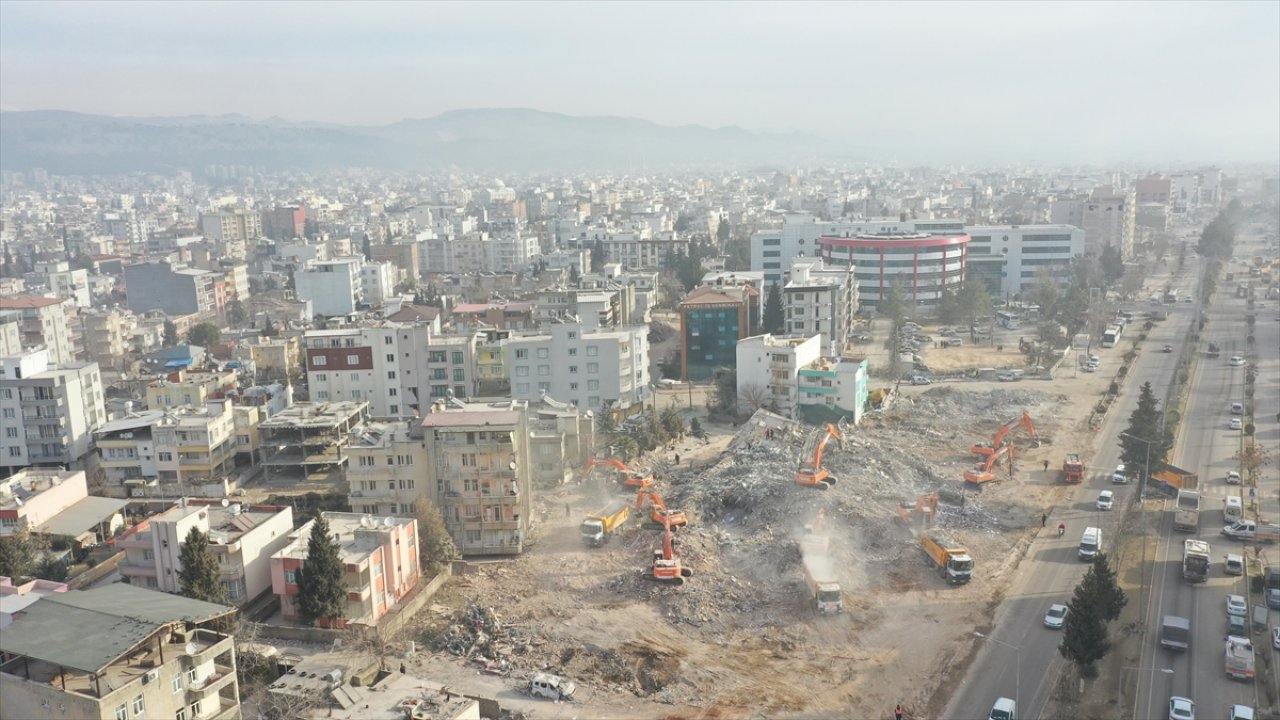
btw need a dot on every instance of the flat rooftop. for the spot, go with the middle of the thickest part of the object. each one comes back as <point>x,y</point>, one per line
<point>315,415</point>
<point>345,526</point>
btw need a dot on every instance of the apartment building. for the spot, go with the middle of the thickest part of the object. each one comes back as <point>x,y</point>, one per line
<point>43,322</point>
<point>397,368</point>
<point>492,378</point>
<point>768,370</point>
<point>127,453</point>
<point>10,334</point>
<point>310,437</point>
<point>405,256</point>
<point>831,389</point>
<point>242,538</point>
<point>561,440</point>
<point>190,388</point>
<point>232,231</point>
<point>479,473</point>
<point>712,321</point>
<point>108,334</point>
<point>33,496</point>
<point>381,559</point>
<point>384,467</point>
<point>1007,259</point>
<point>48,413</point>
<point>595,369</point>
<point>195,444</point>
<point>172,288</point>
<point>773,251</point>
<point>64,282</point>
<point>1108,217</point>
<point>821,300</point>
<point>275,358</point>
<point>119,652</point>
<point>284,223</point>
<point>333,287</point>
<point>15,598</point>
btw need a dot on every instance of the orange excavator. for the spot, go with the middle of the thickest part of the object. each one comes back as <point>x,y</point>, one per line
<point>629,478</point>
<point>666,564</point>
<point>815,541</point>
<point>658,511</point>
<point>998,441</point>
<point>812,473</point>
<point>923,512</point>
<point>981,473</point>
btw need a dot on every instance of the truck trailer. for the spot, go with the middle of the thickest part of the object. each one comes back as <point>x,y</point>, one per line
<point>820,576</point>
<point>1073,469</point>
<point>597,529</point>
<point>1186,511</point>
<point>949,557</point>
<point>1195,561</point>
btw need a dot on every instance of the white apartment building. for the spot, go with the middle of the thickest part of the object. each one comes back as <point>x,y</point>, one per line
<point>48,413</point>
<point>773,251</point>
<point>592,369</point>
<point>1007,259</point>
<point>1106,216</point>
<point>232,230</point>
<point>66,283</point>
<point>33,497</point>
<point>821,300</point>
<point>195,444</point>
<point>768,370</point>
<point>512,252</point>
<point>333,287</point>
<point>43,322</point>
<point>108,334</point>
<point>398,368</point>
<point>242,537</point>
<point>641,248</point>
<point>833,388</point>
<point>127,453</point>
<point>378,282</point>
<point>385,466</point>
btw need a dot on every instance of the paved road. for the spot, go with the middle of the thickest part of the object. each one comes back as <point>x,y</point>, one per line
<point>1021,660</point>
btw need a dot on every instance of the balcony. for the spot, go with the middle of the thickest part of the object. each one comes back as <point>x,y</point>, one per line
<point>221,677</point>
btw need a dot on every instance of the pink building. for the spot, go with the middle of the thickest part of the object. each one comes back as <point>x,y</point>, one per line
<point>16,598</point>
<point>381,559</point>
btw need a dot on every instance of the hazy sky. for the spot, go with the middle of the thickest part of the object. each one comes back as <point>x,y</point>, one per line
<point>1120,81</point>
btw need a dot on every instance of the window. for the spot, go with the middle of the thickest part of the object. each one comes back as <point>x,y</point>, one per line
<point>457,357</point>
<point>391,357</point>
<point>148,555</point>
<point>592,351</point>
<point>544,387</point>
<point>290,578</point>
<point>543,353</point>
<point>138,705</point>
<point>164,456</point>
<point>319,360</point>
<point>439,374</point>
<point>573,369</point>
<point>460,391</point>
<point>176,682</point>
<point>573,386</point>
<point>521,389</point>
<point>353,359</point>
<point>321,377</point>
<point>11,432</point>
<point>355,376</point>
<point>391,374</point>
<point>393,391</point>
<point>8,393</point>
<point>436,356</point>
<point>181,714</point>
<point>386,340</point>
<point>573,334</point>
<point>395,409</point>
<point>593,384</point>
<point>459,374</point>
<point>544,371</point>
<point>522,371</point>
<point>323,395</point>
<point>8,413</point>
<point>522,354</point>
<point>122,712</point>
<point>593,368</point>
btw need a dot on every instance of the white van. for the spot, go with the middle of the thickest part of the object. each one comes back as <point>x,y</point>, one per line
<point>1118,477</point>
<point>1004,709</point>
<point>1090,544</point>
<point>1232,509</point>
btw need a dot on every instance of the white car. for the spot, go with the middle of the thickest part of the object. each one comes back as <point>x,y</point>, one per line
<point>1275,637</point>
<point>551,687</point>
<point>1055,617</point>
<point>920,380</point>
<point>1236,605</point>
<point>1233,477</point>
<point>1236,361</point>
<point>1181,708</point>
<point>1106,499</point>
<point>1234,424</point>
<point>1091,368</point>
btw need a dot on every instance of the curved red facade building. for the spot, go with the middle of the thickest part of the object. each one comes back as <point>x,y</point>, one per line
<point>922,265</point>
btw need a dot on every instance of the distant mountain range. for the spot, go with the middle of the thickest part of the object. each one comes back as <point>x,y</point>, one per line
<point>481,140</point>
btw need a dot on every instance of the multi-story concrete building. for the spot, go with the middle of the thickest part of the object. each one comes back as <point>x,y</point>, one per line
<point>284,223</point>
<point>127,453</point>
<point>66,283</point>
<point>1109,219</point>
<point>404,256</point>
<point>378,282</point>
<point>242,538</point>
<point>48,413</point>
<point>768,370</point>
<point>195,444</point>
<point>561,440</point>
<point>33,496</point>
<point>831,389</point>
<point>275,358</point>
<point>108,335</point>
<point>119,652</point>
<point>311,437</point>
<point>398,368</point>
<point>174,289</point>
<point>1007,259</point>
<point>43,322</point>
<point>15,598</point>
<point>190,388</point>
<point>919,264</point>
<point>712,321</point>
<point>821,300</point>
<point>381,559</point>
<point>10,333</point>
<point>334,287</point>
<point>232,231</point>
<point>384,469</point>
<point>595,369</point>
<point>480,474</point>
<point>773,251</point>
<point>512,252</point>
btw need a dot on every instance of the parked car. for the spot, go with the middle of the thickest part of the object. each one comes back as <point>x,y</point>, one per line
<point>1004,709</point>
<point>1055,617</point>
<point>1236,361</point>
<point>1006,377</point>
<point>1236,605</point>
<point>920,380</point>
<point>1106,499</point>
<point>1275,638</point>
<point>1233,477</point>
<point>1181,708</point>
<point>551,687</point>
<point>953,342</point>
<point>1233,564</point>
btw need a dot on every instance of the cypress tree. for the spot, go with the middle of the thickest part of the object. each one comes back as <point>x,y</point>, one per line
<point>773,319</point>
<point>199,577</point>
<point>321,591</point>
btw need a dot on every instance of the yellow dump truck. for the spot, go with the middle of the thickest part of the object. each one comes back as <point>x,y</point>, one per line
<point>949,557</point>
<point>597,529</point>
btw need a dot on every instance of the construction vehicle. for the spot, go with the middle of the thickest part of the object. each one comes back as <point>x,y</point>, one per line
<point>1186,511</point>
<point>981,472</point>
<point>1073,469</point>
<point>815,541</point>
<point>666,565</point>
<point>628,477</point>
<point>658,510</point>
<point>812,473</point>
<point>1239,662</point>
<point>819,574</point>
<point>997,442</point>
<point>949,557</point>
<point>1170,480</point>
<point>924,511</point>
<point>599,528</point>
<point>1195,560</point>
<point>1250,530</point>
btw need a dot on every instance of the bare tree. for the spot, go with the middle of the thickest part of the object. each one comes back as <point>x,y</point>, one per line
<point>1252,458</point>
<point>753,397</point>
<point>267,704</point>
<point>373,641</point>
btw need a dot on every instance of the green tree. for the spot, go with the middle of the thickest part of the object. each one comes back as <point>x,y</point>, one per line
<point>1112,265</point>
<point>170,333</point>
<point>269,329</point>
<point>1046,293</point>
<point>205,335</point>
<point>200,577</point>
<point>597,256</point>
<point>366,247</point>
<point>1145,424</point>
<point>435,545</point>
<point>949,310</point>
<point>773,320</point>
<point>975,302</point>
<point>1084,633</point>
<point>17,554</point>
<point>1100,584</point>
<point>695,428</point>
<point>894,304</point>
<point>322,595</point>
<point>52,568</point>
<point>722,232</point>
<point>672,423</point>
<point>236,313</point>
<point>1218,237</point>
<point>724,393</point>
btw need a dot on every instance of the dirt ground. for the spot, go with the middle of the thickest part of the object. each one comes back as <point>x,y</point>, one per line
<point>740,638</point>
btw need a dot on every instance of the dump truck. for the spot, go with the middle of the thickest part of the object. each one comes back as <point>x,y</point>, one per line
<point>949,557</point>
<point>1250,530</point>
<point>1073,469</point>
<point>1186,511</point>
<point>1175,632</point>
<point>1215,350</point>
<point>1195,561</point>
<point>1169,480</point>
<point>1239,658</point>
<point>597,529</point>
<point>820,575</point>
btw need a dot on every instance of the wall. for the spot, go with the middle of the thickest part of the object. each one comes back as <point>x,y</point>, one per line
<point>257,547</point>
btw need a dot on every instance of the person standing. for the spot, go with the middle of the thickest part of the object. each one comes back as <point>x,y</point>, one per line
<point>898,712</point>
<point>1046,466</point>
<point>1044,519</point>
<point>677,458</point>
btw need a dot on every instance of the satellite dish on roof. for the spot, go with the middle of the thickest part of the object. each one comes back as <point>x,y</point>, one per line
<point>388,521</point>
<point>191,648</point>
<point>225,502</point>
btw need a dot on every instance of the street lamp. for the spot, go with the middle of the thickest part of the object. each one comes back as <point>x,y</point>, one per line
<point>1120,689</point>
<point>1017,667</point>
<point>1142,490</point>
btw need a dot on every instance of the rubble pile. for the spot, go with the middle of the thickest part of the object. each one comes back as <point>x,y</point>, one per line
<point>477,633</point>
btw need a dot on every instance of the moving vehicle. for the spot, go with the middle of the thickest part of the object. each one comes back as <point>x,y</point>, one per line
<point>1215,350</point>
<point>1233,564</point>
<point>1106,499</point>
<point>1118,476</point>
<point>666,565</point>
<point>997,441</point>
<point>599,528</point>
<point>628,477</point>
<point>1233,424</point>
<point>1250,530</point>
<point>1239,659</point>
<point>658,510</point>
<point>949,557</point>
<point>1232,508</point>
<point>551,687</point>
<point>1236,605</point>
<point>924,511</point>
<point>820,576</point>
<point>1236,361</point>
<point>1175,632</point>
<point>1240,712</point>
<point>1171,297</point>
<point>1233,477</point>
<point>1181,708</point>
<point>1237,408</point>
<point>1195,560</point>
<point>1186,511</point>
<point>1171,479</point>
<point>1111,335</point>
<point>1004,709</point>
<point>1090,544</point>
<point>1166,349</point>
<point>1275,638</point>
<point>1056,616</point>
<point>1073,469</point>
<point>812,473</point>
<point>920,380</point>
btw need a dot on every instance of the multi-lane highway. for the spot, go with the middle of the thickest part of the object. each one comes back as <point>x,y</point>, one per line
<point>1020,658</point>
